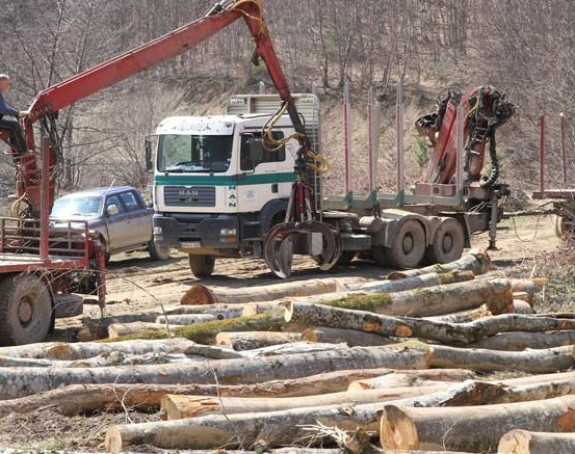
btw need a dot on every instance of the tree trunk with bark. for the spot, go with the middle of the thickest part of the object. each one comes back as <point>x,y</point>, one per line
<point>117,330</point>
<point>83,399</point>
<point>185,406</point>
<point>255,339</point>
<point>415,282</point>
<point>200,294</point>
<point>338,336</point>
<point>412,378</point>
<point>185,319</point>
<point>524,442</point>
<point>444,299</point>
<point>477,428</point>
<point>15,383</point>
<point>438,331</point>
<point>475,260</point>
<point>279,428</point>
<point>517,341</point>
<point>93,329</point>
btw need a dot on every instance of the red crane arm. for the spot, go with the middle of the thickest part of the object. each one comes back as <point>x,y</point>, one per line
<point>59,96</point>
<point>109,73</point>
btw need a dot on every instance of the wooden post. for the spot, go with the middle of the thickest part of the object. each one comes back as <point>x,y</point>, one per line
<point>347,139</point>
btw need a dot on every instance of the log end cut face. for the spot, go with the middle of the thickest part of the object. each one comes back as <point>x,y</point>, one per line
<point>397,431</point>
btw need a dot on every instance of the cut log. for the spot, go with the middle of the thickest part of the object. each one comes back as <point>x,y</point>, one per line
<point>415,282</point>
<point>200,294</point>
<point>280,428</point>
<point>463,316</point>
<point>118,330</point>
<point>532,361</point>
<point>65,351</point>
<point>517,341</point>
<point>16,383</point>
<point>476,261</point>
<point>186,319</point>
<point>353,293</point>
<point>476,428</point>
<point>444,299</point>
<point>495,293</point>
<point>347,336</point>
<point>263,307</point>
<point>412,378</point>
<point>93,329</point>
<point>255,339</point>
<point>184,406</point>
<point>438,331</point>
<point>81,399</point>
<point>522,307</point>
<point>181,407</point>
<point>205,333</point>
<point>525,442</point>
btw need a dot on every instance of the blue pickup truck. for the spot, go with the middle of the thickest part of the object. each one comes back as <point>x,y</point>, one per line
<point>118,214</point>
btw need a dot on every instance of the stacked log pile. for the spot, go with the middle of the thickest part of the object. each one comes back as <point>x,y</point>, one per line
<point>408,364</point>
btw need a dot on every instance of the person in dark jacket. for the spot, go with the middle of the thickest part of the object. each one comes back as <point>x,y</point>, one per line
<point>13,126</point>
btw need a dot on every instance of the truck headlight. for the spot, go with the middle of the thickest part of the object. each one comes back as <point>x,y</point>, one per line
<point>228,232</point>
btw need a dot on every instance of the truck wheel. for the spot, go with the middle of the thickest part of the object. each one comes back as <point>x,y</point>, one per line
<point>448,243</point>
<point>202,265</point>
<point>25,310</point>
<point>158,251</point>
<point>408,246</point>
<point>564,228</point>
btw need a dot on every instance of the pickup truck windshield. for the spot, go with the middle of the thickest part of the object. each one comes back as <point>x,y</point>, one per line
<point>183,154</point>
<point>74,207</point>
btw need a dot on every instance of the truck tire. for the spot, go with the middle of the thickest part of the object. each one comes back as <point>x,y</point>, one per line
<point>408,247</point>
<point>158,251</point>
<point>564,228</point>
<point>25,310</point>
<point>202,265</point>
<point>448,243</point>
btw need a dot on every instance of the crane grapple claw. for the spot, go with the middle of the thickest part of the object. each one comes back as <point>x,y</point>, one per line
<point>279,246</point>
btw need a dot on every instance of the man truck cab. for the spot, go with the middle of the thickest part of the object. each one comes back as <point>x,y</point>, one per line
<point>217,188</point>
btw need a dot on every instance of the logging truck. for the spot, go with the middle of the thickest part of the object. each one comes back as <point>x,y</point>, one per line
<point>219,191</point>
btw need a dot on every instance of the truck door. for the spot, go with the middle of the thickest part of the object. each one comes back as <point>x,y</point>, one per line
<point>118,224</point>
<point>266,175</point>
<point>140,218</point>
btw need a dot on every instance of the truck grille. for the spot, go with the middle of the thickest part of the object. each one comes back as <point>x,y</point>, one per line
<point>196,196</point>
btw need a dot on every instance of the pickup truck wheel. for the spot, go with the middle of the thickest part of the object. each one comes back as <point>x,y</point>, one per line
<point>448,243</point>
<point>202,265</point>
<point>158,251</point>
<point>408,246</point>
<point>25,310</point>
<point>564,228</point>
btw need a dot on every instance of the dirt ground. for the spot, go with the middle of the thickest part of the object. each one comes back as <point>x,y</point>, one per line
<point>136,283</point>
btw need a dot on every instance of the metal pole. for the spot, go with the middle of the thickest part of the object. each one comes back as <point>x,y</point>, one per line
<point>564,146</point>
<point>542,155</point>
<point>373,139</point>
<point>347,139</point>
<point>45,202</point>
<point>262,88</point>
<point>460,139</point>
<point>399,144</point>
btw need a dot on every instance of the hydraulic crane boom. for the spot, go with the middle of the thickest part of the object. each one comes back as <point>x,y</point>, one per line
<point>301,217</point>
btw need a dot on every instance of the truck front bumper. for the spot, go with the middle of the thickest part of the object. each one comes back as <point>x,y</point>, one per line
<point>195,231</point>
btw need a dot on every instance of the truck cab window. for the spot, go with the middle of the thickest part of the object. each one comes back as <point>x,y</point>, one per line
<point>253,153</point>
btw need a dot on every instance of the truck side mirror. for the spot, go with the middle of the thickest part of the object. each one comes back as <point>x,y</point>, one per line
<point>148,148</point>
<point>112,210</point>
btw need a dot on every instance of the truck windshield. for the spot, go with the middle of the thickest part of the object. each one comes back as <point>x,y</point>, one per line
<point>74,207</point>
<point>180,153</point>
